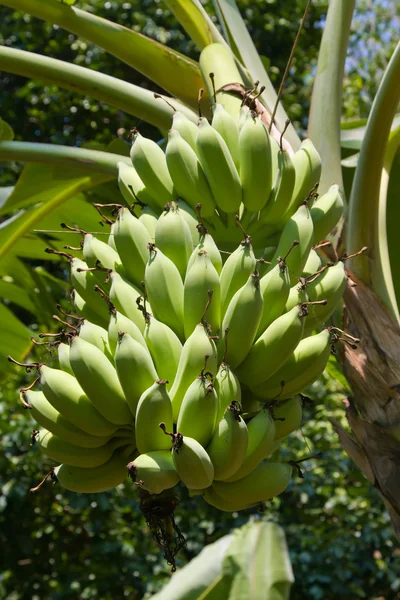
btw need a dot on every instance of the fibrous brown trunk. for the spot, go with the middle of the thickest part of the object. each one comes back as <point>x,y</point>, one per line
<point>373,411</point>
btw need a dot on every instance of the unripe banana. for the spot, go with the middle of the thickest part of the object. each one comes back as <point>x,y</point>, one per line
<point>326,213</point>
<point>124,296</point>
<point>82,309</point>
<point>219,167</point>
<point>207,243</point>
<point>63,358</point>
<point>198,412</point>
<point>261,435</point>
<point>135,370</point>
<point>272,348</point>
<point>192,462</point>
<point>84,283</point>
<point>255,163</point>
<point>173,238</point>
<point>151,166</point>
<point>154,471</point>
<point>95,250</point>
<point>329,286</point>
<point>201,278</point>
<point>164,289</point>
<point>228,445</point>
<point>301,369</point>
<point>149,219</point>
<point>275,288</point>
<point>52,420</point>
<point>187,174</point>
<point>241,321</point>
<point>282,192</point>
<point>64,392</point>
<point>186,128</point>
<point>244,113</point>
<point>298,228</point>
<point>288,417</point>
<point>235,272</point>
<point>313,263</point>
<point>131,238</point>
<point>118,322</point>
<point>266,481</point>
<point>165,348</point>
<point>132,187</point>
<point>100,382</point>
<point>98,336</point>
<point>228,129</point>
<point>154,407</point>
<point>62,451</point>
<point>191,362</point>
<point>227,386</point>
<point>191,220</point>
<point>297,295</point>
<point>225,504</point>
<point>95,479</point>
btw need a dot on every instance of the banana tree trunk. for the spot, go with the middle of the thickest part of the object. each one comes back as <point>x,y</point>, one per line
<point>373,411</point>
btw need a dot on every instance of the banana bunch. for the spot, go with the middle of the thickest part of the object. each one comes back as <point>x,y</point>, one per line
<point>199,322</point>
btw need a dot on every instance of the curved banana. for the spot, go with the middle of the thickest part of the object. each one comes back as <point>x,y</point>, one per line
<point>313,263</point>
<point>198,412</point>
<point>201,278</point>
<point>165,348</point>
<point>191,220</point>
<point>194,352</point>
<point>124,296</point>
<point>192,462</point>
<point>63,358</point>
<point>326,213</point>
<point>186,128</point>
<point>95,479</point>
<point>329,286</point>
<point>228,390</point>
<point>173,238</point>
<point>154,407</point>
<point>224,504</point>
<point>306,363</point>
<point>208,244</point>
<point>135,370</point>
<point>151,165</point>
<point>64,392</point>
<point>227,127</point>
<point>98,336</point>
<point>118,322</point>
<point>51,419</point>
<point>241,321</point>
<point>149,217</point>
<point>272,348</point>
<point>84,310</point>
<point>228,445</point>
<point>154,471</point>
<point>132,187</point>
<point>95,250</point>
<point>288,417</point>
<point>255,163</point>
<point>235,272</point>
<point>187,174</point>
<point>219,168</point>
<point>164,288</point>
<point>131,239</point>
<point>282,191</point>
<point>297,295</point>
<point>275,288</point>
<point>84,283</point>
<point>100,382</point>
<point>261,436</point>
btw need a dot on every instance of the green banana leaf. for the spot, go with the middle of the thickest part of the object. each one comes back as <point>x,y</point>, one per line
<point>250,564</point>
<point>196,22</point>
<point>6,133</point>
<point>14,340</point>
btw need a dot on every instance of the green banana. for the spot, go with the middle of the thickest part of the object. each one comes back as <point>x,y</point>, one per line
<point>191,220</point>
<point>83,309</point>
<point>154,406</point>
<point>164,288</point>
<point>228,445</point>
<point>63,358</point>
<point>98,336</point>
<point>282,191</point>
<point>288,417</point>
<point>186,128</point>
<point>95,250</point>
<point>132,187</point>
<point>297,295</point>
<point>227,127</point>
<point>150,163</point>
<point>165,348</point>
<point>261,435</point>
<point>95,479</point>
<point>235,272</point>
<point>84,283</point>
<point>329,286</point>
<point>207,243</point>
<point>326,213</point>
<point>131,238</point>
<point>65,393</point>
<point>124,296</point>
<point>272,348</point>
<point>192,361</point>
<point>100,382</point>
<point>75,456</point>
<point>135,369</point>
<point>48,417</point>
<point>118,322</point>
<point>224,504</point>
<point>228,389</point>
<point>244,113</point>
<point>302,368</point>
<point>313,264</point>
<point>255,163</point>
<point>275,288</point>
<point>198,412</point>
<point>173,238</point>
<point>148,217</point>
<point>192,462</point>
<point>154,471</point>
<point>218,167</point>
<point>201,278</point>
<point>241,321</point>
<point>187,174</point>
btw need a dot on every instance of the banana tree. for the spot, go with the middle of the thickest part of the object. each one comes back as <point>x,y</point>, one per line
<point>371,300</point>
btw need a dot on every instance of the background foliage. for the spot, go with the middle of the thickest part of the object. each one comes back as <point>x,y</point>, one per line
<point>61,545</point>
